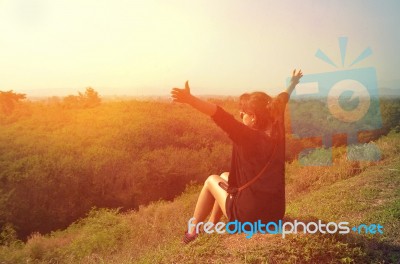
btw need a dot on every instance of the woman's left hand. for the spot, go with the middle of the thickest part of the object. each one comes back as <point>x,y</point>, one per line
<point>296,76</point>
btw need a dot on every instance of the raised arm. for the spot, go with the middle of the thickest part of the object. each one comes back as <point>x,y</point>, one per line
<point>184,96</point>
<point>294,81</point>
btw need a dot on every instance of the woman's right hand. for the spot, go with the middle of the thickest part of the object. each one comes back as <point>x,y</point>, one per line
<point>181,95</point>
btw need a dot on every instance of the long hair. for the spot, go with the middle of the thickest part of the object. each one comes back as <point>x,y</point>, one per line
<point>259,104</point>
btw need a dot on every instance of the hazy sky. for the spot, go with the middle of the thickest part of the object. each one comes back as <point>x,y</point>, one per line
<point>59,47</point>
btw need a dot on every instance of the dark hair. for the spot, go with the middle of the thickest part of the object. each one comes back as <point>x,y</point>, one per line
<point>258,104</point>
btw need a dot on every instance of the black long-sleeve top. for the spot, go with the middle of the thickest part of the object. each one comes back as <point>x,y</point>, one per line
<point>252,149</point>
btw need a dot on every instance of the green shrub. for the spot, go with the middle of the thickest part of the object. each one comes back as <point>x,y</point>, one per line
<point>367,151</point>
<point>317,157</point>
<point>102,231</point>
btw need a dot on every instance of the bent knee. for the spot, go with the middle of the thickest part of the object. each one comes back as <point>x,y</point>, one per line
<point>225,176</point>
<point>212,179</point>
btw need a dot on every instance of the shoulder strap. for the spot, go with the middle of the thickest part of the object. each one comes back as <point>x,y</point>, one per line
<point>236,190</point>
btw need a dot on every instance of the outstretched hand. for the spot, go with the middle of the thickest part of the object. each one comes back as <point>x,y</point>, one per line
<point>181,95</point>
<point>296,76</point>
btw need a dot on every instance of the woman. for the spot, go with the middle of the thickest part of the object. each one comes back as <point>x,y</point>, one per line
<point>258,151</point>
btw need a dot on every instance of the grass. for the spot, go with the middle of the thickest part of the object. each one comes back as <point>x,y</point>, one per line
<point>364,192</point>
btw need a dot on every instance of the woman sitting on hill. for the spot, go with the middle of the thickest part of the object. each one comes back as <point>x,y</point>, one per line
<point>257,175</point>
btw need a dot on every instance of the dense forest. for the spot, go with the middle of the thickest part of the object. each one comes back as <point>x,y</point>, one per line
<point>60,157</point>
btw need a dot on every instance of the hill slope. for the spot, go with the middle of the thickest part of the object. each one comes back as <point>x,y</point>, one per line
<point>360,192</point>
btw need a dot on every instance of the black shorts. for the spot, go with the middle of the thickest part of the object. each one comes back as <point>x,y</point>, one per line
<point>272,212</point>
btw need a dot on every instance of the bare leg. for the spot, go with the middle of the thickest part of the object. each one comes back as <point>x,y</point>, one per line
<point>216,212</point>
<point>210,193</point>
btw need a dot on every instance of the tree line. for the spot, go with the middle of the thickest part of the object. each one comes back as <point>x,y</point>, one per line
<point>60,158</point>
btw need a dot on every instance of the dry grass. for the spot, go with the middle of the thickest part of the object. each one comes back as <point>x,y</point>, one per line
<point>346,191</point>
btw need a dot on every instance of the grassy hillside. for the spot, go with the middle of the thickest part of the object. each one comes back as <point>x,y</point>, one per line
<point>58,159</point>
<point>357,192</point>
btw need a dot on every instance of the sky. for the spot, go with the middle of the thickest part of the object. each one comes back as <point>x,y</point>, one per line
<point>140,48</point>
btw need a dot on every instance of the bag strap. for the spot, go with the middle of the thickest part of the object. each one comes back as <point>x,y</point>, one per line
<point>259,174</point>
<point>233,190</point>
